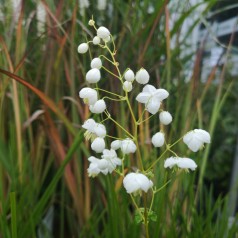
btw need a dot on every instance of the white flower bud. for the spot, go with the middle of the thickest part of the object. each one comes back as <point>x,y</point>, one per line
<point>127,86</point>
<point>135,182</point>
<point>103,32</point>
<point>83,48</point>
<point>96,40</point>
<point>91,22</point>
<point>129,75</point>
<point>158,139</point>
<point>98,145</point>
<point>89,95</point>
<point>96,63</point>
<point>142,76</point>
<point>98,107</point>
<point>93,75</point>
<point>116,144</point>
<point>165,118</point>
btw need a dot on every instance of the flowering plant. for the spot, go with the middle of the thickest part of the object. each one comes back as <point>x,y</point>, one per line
<point>126,150</point>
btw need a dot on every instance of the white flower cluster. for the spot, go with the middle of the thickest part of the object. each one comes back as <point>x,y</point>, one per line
<point>151,97</point>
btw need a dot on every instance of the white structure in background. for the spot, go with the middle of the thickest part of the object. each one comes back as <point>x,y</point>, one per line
<point>41,18</point>
<point>213,48</point>
<point>190,47</point>
<point>102,4</point>
<point>1,13</point>
<point>83,4</point>
<point>16,7</point>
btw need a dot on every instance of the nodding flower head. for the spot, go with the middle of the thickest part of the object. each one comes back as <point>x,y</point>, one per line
<point>182,163</point>
<point>82,48</point>
<point>137,182</point>
<point>89,95</point>
<point>103,32</point>
<point>93,75</point>
<point>142,76</point>
<point>196,138</point>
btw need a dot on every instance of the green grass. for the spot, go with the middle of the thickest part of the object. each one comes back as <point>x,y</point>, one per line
<point>43,164</point>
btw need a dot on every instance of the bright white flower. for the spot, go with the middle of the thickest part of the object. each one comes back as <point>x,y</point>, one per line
<point>93,75</point>
<point>97,166</point>
<point>98,145</point>
<point>142,76</point>
<point>183,163</point>
<point>96,40</point>
<point>98,107</point>
<point>96,63</point>
<point>152,98</point>
<point>83,48</point>
<point>158,139</point>
<point>135,182</point>
<point>196,138</point>
<point>129,75</point>
<point>103,32</point>
<point>165,118</point>
<point>111,157</point>
<point>89,95</point>
<point>102,5</point>
<point>127,86</point>
<point>116,144</point>
<point>128,146</point>
<point>94,129</point>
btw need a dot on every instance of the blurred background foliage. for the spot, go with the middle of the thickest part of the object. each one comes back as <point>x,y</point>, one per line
<point>44,187</point>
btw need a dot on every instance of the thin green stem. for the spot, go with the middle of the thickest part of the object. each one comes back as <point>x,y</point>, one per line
<point>117,95</point>
<point>127,132</point>
<point>106,59</point>
<point>110,72</point>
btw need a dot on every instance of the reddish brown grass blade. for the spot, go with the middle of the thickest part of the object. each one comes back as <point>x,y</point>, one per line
<point>46,100</point>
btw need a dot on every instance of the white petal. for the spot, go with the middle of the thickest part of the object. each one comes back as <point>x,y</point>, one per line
<point>204,135</point>
<point>153,106</point>
<point>89,125</point>
<point>149,89</point>
<point>93,75</point>
<point>128,146</point>
<point>100,130</point>
<point>143,97</point>
<point>186,163</point>
<point>98,107</point>
<point>98,145</point>
<point>171,162</point>
<point>161,94</point>
<point>116,144</point>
